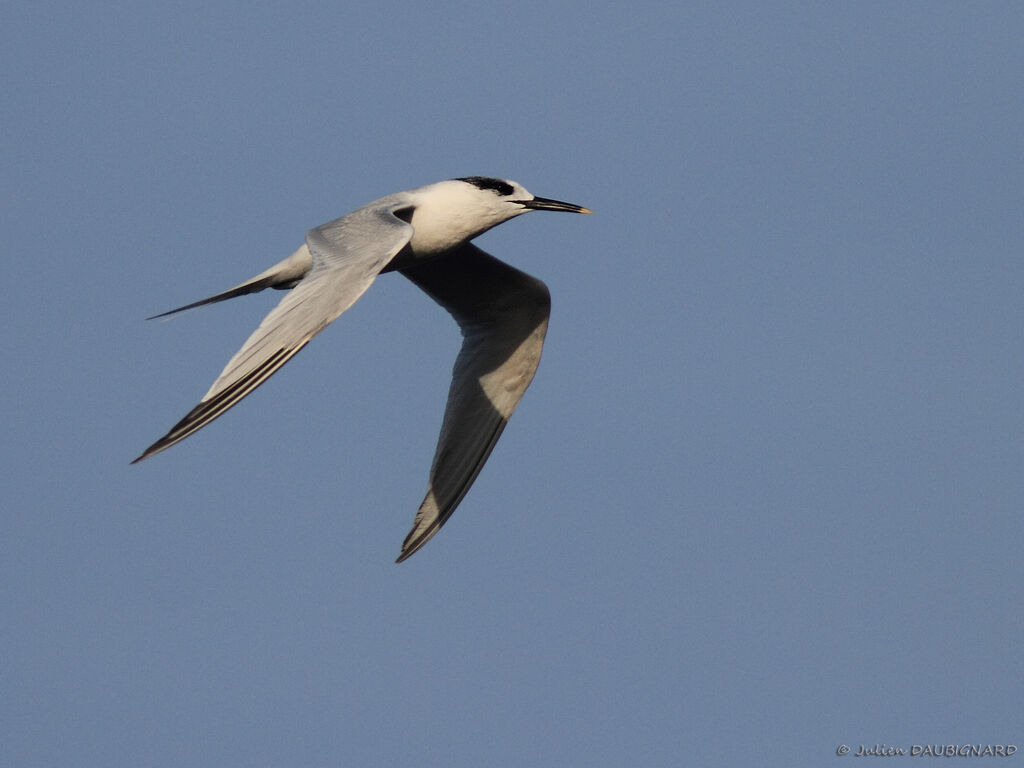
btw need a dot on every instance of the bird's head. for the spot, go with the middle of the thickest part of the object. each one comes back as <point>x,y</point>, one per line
<point>457,210</point>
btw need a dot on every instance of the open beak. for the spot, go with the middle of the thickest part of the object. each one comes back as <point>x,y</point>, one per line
<point>544,204</point>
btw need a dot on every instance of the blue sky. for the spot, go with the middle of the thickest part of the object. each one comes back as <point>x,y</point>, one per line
<point>763,498</point>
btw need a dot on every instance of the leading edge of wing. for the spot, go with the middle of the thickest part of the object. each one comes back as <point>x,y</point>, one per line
<point>348,254</point>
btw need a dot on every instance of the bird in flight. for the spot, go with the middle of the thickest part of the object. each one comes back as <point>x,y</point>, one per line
<point>424,234</point>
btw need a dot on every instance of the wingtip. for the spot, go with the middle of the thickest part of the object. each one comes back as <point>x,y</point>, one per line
<point>160,445</point>
<point>176,310</point>
<point>411,545</point>
<point>144,455</point>
<point>416,538</point>
<point>407,553</point>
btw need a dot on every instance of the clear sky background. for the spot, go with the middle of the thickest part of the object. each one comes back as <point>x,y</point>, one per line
<point>763,498</point>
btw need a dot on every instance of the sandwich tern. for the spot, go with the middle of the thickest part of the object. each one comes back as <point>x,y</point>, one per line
<point>424,234</point>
